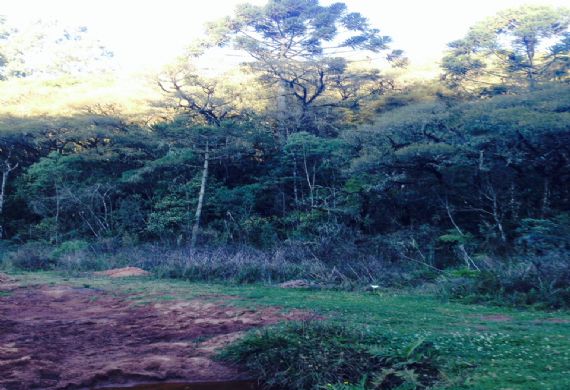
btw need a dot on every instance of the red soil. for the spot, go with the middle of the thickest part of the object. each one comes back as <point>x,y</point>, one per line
<point>497,318</point>
<point>73,338</point>
<point>122,272</point>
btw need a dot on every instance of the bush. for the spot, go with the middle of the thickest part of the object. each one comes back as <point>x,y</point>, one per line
<point>69,256</point>
<point>321,355</point>
<point>69,248</point>
<point>236,264</point>
<point>534,280</point>
<point>31,256</point>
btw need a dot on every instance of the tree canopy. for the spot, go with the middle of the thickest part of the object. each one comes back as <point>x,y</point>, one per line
<point>297,47</point>
<point>302,146</point>
<point>524,45</point>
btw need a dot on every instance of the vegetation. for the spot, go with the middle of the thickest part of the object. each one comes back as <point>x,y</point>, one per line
<point>512,47</point>
<point>322,353</point>
<point>473,346</point>
<point>302,159</point>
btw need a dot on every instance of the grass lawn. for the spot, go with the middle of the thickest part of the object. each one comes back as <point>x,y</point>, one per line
<point>484,347</point>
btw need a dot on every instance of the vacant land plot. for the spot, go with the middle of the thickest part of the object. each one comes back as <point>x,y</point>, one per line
<point>69,337</point>
<point>60,332</point>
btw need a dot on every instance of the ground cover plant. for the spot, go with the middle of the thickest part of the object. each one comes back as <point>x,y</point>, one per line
<point>322,355</point>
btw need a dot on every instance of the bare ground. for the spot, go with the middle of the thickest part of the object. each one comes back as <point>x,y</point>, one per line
<point>61,337</point>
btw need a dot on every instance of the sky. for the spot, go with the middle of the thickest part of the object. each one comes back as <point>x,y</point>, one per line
<point>146,34</point>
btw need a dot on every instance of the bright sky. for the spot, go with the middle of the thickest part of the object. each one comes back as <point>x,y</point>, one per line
<point>144,34</point>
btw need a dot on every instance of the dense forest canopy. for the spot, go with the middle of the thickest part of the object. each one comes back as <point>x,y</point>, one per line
<point>302,144</point>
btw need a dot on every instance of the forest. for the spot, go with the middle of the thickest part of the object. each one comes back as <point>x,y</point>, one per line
<point>299,161</point>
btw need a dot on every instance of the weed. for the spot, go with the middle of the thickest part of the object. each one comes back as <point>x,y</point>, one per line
<point>314,355</point>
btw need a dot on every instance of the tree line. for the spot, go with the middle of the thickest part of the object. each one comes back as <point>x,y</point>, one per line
<point>341,158</point>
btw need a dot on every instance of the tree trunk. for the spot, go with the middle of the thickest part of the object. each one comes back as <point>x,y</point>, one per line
<point>57,204</point>
<point>545,199</point>
<point>295,193</point>
<point>308,177</point>
<point>529,46</point>
<point>282,111</point>
<point>5,173</point>
<point>196,227</point>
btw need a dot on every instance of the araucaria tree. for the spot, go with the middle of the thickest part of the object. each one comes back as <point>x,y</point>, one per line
<point>519,46</point>
<point>297,47</point>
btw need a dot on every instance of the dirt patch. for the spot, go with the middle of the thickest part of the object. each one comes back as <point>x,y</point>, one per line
<point>553,321</point>
<point>122,272</point>
<point>62,337</point>
<point>298,283</point>
<point>5,278</point>
<point>497,318</point>
<point>7,283</point>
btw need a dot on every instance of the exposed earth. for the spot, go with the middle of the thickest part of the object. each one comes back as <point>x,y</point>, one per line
<point>63,337</point>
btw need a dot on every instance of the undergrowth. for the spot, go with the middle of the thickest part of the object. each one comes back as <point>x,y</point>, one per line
<point>321,355</point>
<point>539,281</point>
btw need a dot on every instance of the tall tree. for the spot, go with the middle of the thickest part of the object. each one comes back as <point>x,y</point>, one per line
<point>297,47</point>
<point>206,100</point>
<point>48,48</point>
<point>202,100</point>
<point>524,45</point>
<point>4,33</point>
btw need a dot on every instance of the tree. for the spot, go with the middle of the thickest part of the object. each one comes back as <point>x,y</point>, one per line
<point>297,47</point>
<point>18,150</point>
<point>524,45</point>
<point>476,168</point>
<point>49,49</point>
<point>206,100</point>
<point>6,167</point>
<point>201,100</point>
<point>4,33</point>
<point>316,164</point>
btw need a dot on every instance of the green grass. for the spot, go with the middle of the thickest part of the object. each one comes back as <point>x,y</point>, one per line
<point>525,351</point>
<point>317,354</point>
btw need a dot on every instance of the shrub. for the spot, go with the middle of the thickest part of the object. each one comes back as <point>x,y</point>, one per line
<point>69,248</point>
<point>321,355</point>
<point>540,236</point>
<point>236,264</point>
<point>526,280</point>
<point>31,256</point>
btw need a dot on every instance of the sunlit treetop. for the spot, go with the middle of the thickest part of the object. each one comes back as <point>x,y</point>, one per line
<point>297,29</point>
<point>525,44</point>
<point>50,49</point>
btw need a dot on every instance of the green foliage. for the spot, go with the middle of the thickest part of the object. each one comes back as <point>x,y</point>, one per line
<point>452,237</point>
<point>324,355</point>
<point>465,273</point>
<point>69,248</point>
<point>30,256</point>
<point>518,45</point>
<point>539,281</point>
<point>171,215</point>
<point>540,235</point>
